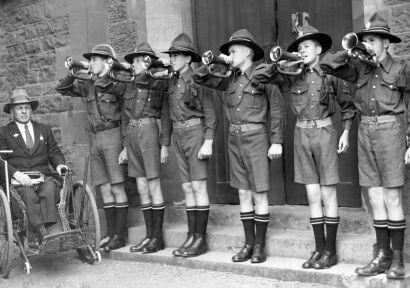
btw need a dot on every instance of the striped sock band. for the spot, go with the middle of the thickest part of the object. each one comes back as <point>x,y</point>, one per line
<point>332,220</point>
<point>191,208</point>
<point>247,215</point>
<point>380,223</point>
<point>317,220</point>
<point>109,205</point>
<point>396,225</point>
<point>158,206</point>
<point>146,207</point>
<point>121,205</point>
<point>202,208</point>
<point>262,218</point>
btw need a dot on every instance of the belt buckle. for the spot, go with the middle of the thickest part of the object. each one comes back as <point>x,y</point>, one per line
<point>311,124</point>
<point>372,120</point>
<point>236,128</point>
<point>183,124</point>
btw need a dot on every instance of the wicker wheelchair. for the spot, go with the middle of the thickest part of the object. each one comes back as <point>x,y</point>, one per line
<point>78,214</point>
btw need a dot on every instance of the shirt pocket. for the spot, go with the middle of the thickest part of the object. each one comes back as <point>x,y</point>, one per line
<point>390,93</point>
<point>109,105</point>
<point>361,88</point>
<point>254,97</point>
<point>299,95</point>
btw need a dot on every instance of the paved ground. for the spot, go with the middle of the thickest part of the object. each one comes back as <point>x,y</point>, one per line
<point>67,271</point>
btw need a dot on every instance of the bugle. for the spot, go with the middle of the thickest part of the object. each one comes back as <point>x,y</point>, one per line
<point>350,42</point>
<point>210,60</point>
<point>148,63</point>
<point>126,74</point>
<point>277,54</point>
<point>73,66</point>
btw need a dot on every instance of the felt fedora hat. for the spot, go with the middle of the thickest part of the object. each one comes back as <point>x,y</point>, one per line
<point>307,32</point>
<point>245,38</point>
<point>102,50</point>
<point>143,49</point>
<point>20,96</point>
<point>377,25</point>
<point>182,43</point>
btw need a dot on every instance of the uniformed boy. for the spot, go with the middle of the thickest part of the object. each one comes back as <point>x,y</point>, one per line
<point>193,119</point>
<point>379,100</point>
<point>313,96</point>
<point>142,149</point>
<point>104,114</point>
<point>247,105</point>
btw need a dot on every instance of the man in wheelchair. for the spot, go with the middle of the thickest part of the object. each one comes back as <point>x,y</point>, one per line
<point>34,149</point>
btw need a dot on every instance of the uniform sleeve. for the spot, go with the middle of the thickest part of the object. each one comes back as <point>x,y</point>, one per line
<point>404,84</point>
<point>208,104</point>
<point>129,88</point>
<point>344,99</point>
<point>148,82</point>
<point>276,110</point>
<point>107,85</point>
<point>267,73</point>
<point>202,77</point>
<point>341,65</point>
<point>166,125</point>
<point>70,86</point>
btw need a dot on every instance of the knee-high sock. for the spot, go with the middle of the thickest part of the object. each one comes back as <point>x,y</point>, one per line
<point>158,219</point>
<point>248,222</point>
<point>261,225</point>
<point>121,210</point>
<point>202,214</point>
<point>109,210</point>
<point>397,233</point>
<point>191,219</point>
<point>331,233</point>
<point>382,234</point>
<point>318,225</point>
<point>147,212</point>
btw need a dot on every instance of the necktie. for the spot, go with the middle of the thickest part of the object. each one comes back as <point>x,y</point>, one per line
<point>29,139</point>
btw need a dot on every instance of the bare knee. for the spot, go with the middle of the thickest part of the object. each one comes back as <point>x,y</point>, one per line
<point>143,190</point>
<point>105,189</point>
<point>392,198</point>
<point>245,196</point>
<point>187,188</point>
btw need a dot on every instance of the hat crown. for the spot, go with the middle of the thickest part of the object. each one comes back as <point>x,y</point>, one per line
<point>104,49</point>
<point>306,30</point>
<point>19,96</point>
<point>242,34</point>
<point>376,21</point>
<point>183,41</point>
<point>144,47</point>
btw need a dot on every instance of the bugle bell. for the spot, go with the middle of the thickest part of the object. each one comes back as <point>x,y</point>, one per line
<point>73,66</point>
<point>127,75</point>
<point>210,60</point>
<point>351,42</point>
<point>277,54</point>
<point>148,63</point>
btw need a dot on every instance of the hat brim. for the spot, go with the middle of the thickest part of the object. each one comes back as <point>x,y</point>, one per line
<point>89,55</point>
<point>33,104</point>
<point>391,37</point>
<point>257,50</point>
<point>195,56</point>
<point>130,57</point>
<point>324,40</point>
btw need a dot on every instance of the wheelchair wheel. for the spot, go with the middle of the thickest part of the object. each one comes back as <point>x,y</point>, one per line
<point>6,236</point>
<point>87,219</point>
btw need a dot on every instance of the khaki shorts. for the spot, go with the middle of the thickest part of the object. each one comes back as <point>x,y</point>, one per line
<point>316,159</point>
<point>105,147</point>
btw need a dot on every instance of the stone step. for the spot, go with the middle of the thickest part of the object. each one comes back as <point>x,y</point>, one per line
<point>352,220</point>
<point>281,268</point>
<point>352,248</point>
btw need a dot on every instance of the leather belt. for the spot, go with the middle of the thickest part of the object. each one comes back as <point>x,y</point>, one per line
<point>186,123</point>
<point>320,123</point>
<point>141,121</point>
<point>377,119</point>
<point>241,128</point>
<point>105,126</point>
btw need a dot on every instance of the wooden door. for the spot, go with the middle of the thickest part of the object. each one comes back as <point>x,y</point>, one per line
<point>268,21</point>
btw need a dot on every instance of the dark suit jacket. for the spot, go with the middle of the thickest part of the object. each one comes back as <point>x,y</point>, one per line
<point>44,152</point>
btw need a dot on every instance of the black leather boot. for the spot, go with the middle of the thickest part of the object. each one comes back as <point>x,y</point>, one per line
<point>327,260</point>
<point>115,243</point>
<point>259,254</point>
<point>379,264</point>
<point>140,246</point>
<point>197,248</point>
<point>244,255</point>
<point>188,242</point>
<point>396,270</point>
<point>312,260</point>
<point>156,243</point>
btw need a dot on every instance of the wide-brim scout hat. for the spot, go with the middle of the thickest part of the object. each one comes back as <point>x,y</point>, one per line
<point>143,49</point>
<point>307,32</point>
<point>245,38</point>
<point>102,50</point>
<point>182,43</point>
<point>20,96</point>
<point>377,25</point>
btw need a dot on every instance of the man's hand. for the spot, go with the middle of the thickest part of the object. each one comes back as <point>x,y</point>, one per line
<point>62,168</point>
<point>275,151</point>
<point>343,142</point>
<point>22,178</point>
<point>227,59</point>
<point>206,150</point>
<point>164,154</point>
<point>407,156</point>
<point>122,158</point>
